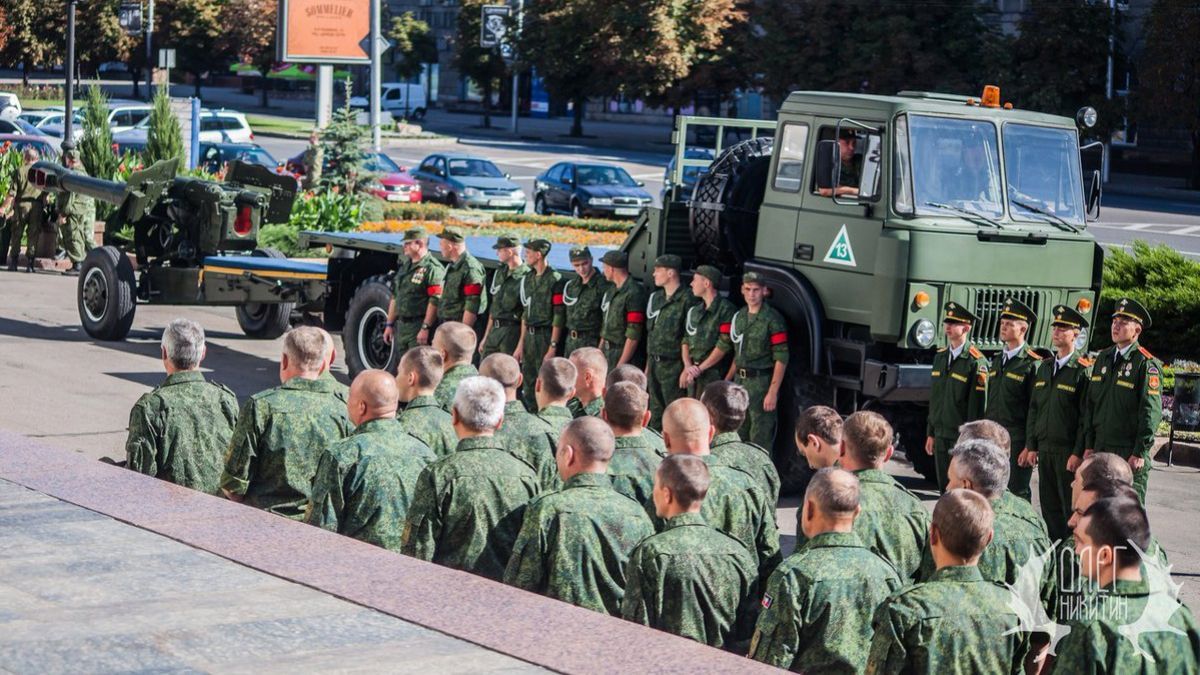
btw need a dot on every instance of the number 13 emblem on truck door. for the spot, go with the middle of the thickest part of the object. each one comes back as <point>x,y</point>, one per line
<point>840,252</point>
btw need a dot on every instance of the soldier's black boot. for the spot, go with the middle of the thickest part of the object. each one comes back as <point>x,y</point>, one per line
<point>73,271</point>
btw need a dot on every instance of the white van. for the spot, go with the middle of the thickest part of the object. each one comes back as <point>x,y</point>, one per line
<point>397,98</point>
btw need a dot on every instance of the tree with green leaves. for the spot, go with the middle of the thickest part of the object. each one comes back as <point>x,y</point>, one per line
<point>414,45</point>
<point>1168,91</point>
<point>99,37</point>
<point>193,28</point>
<point>483,65</point>
<point>33,30</point>
<point>249,35</point>
<point>343,145</point>
<point>584,48</point>
<point>164,135</point>
<point>95,149</point>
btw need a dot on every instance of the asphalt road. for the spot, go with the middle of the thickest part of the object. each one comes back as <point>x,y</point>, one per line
<point>63,388</point>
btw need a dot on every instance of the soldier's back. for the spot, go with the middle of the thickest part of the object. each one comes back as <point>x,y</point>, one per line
<point>527,437</point>
<point>632,468</point>
<point>180,431</point>
<point>893,523</point>
<point>426,420</point>
<point>730,450</point>
<point>738,506</point>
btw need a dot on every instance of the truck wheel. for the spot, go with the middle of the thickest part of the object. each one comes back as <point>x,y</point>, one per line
<point>724,219</point>
<point>418,114</point>
<point>265,320</point>
<point>366,318</point>
<point>804,390</point>
<point>106,294</point>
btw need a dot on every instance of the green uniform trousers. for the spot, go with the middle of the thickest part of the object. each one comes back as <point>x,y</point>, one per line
<point>576,339</point>
<point>404,337</point>
<point>1140,477</point>
<point>537,341</point>
<point>706,378</point>
<point>503,339</point>
<point>612,353</point>
<point>662,381</point>
<point>1054,490</point>
<point>76,237</point>
<point>759,427</point>
<point>26,222</point>
<point>941,460</point>
<point>1019,477</point>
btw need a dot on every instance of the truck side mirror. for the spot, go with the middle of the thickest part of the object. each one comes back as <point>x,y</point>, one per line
<point>828,161</point>
<point>1091,161</point>
<point>1093,196</point>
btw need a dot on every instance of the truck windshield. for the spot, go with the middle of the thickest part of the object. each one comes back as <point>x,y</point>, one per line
<point>955,166</point>
<point>1044,179</point>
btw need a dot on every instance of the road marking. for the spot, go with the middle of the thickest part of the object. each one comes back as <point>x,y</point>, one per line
<point>1185,231</point>
<point>1188,230</point>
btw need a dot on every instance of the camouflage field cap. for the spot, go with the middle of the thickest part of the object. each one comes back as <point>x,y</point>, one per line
<point>540,245</point>
<point>580,253</point>
<point>415,234</point>
<point>508,240</point>
<point>709,272</point>
<point>1068,318</point>
<point>753,278</point>
<point>453,234</point>
<point>956,313</point>
<point>616,259</point>
<point>1132,309</point>
<point>669,261</point>
<point>1015,309</point>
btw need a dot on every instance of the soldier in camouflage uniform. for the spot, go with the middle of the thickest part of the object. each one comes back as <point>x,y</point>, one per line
<point>580,315</point>
<point>1053,434</point>
<point>637,376</point>
<point>634,460</point>
<point>706,343</point>
<point>818,605</point>
<point>575,543</point>
<point>624,307</point>
<point>462,298</point>
<point>365,482</point>
<point>523,435</point>
<point>759,334</point>
<point>665,314</point>
<point>503,333</point>
<point>591,369</point>
<point>1126,596</point>
<point>922,628</point>
<point>959,390</point>
<point>727,404</point>
<point>415,295</point>
<point>893,523</point>
<point>281,432</point>
<point>1124,402</point>
<point>1010,386</point>
<point>690,579</point>
<point>28,212</point>
<point>554,388</point>
<point>77,220</point>
<point>419,373</point>
<point>456,342</point>
<point>179,432</point>
<point>467,508</point>
<point>540,302</point>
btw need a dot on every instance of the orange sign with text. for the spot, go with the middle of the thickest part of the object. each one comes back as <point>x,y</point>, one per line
<point>325,31</point>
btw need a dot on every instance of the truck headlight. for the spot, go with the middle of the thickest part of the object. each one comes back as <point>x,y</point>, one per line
<point>1081,340</point>
<point>470,192</point>
<point>923,333</point>
<point>600,201</point>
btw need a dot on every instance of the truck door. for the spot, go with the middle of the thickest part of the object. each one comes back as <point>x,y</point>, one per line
<point>837,235</point>
<point>784,194</point>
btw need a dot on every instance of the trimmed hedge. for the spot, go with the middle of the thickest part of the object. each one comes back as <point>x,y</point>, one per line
<point>1167,284</point>
<point>593,224</point>
<point>417,211</point>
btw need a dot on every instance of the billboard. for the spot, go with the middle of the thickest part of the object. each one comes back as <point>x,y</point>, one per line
<point>324,31</point>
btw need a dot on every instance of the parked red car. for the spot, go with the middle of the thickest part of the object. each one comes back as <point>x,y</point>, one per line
<point>390,181</point>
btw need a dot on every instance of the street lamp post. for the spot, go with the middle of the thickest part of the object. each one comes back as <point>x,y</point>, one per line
<point>150,54</point>
<point>68,143</point>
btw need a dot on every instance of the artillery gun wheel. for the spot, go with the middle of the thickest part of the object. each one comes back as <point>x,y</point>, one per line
<point>724,216</point>
<point>366,318</point>
<point>106,294</point>
<point>265,321</point>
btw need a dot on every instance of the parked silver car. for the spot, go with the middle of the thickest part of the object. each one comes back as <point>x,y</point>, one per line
<point>468,181</point>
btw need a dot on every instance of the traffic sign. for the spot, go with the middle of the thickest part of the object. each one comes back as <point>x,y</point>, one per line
<point>494,26</point>
<point>129,16</point>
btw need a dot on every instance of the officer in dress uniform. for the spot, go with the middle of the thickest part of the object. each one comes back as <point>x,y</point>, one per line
<point>959,390</point>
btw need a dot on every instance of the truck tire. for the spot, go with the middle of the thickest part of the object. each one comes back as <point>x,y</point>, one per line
<point>366,318</point>
<point>265,320</point>
<point>802,391</point>
<point>723,217</point>
<point>106,294</point>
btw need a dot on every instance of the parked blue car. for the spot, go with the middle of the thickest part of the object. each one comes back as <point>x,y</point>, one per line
<point>583,190</point>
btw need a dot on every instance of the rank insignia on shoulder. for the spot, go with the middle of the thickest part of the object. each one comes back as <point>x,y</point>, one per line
<point>1145,352</point>
<point>1086,362</point>
<point>1033,355</point>
<point>941,350</point>
<point>975,353</point>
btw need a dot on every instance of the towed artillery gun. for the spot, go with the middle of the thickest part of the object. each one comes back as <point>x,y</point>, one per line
<point>184,230</point>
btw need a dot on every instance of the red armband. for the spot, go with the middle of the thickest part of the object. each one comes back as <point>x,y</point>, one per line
<point>725,328</point>
<point>778,338</point>
<point>433,290</point>
<point>557,299</point>
<point>473,289</point>
<point>635,317</point>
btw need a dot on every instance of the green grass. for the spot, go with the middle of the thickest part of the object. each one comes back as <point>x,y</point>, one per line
<point>280,125</point>
<point>40,103</point>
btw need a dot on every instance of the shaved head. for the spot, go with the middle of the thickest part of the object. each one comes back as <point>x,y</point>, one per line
<point>626,373</point>
<point>502,368</point>
<point>834,491</point>
<point>1104,467</point>
<point>426,362</point>
<point>591,437</point>
<point>591,360</point>
<point>456,340</point>
<point>686,426</point>
<point>373,395</point>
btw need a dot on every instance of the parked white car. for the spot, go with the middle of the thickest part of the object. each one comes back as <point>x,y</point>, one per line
<point>216,126</point>
<point>10,106</point>
<point>397,98</point>
<point>125,117</point>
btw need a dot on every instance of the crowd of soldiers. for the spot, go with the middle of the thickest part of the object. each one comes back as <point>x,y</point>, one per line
<point>629,480</point>
<point>26,212</point>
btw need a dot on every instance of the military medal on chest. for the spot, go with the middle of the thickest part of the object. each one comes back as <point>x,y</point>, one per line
<point>419,275</point>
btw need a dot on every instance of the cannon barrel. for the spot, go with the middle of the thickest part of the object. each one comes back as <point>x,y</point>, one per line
<point>57,178</point>
<point>133,199</point>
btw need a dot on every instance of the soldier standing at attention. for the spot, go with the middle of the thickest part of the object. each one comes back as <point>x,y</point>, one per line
<point>591,369</point>
<point>690,579</point>
<point>706,341</point>
<point>1124,403</point>
<point>554,388</point>
<point>1054,433</point>
<point>540,301</point>
<point>580,315</point>
<point>456,343</point>
<point>959,390</point>
<point>462,290</point>
<point>77,221</point>
<point>759,333</point>
<point>467,508</point>
<point>365,482</point>
<point>418,375</point>
<point>415,296</point>
<point>503,332</point>
<point>626,410</point>
<point>1010,386</point>
<point>281,432</point>
<point>179,432</point>
<point>624,307</point>
<point>923,628</point>
<point>523,434</point>
<point>818,605</point>
<point>575,543</point>
<point>27,214</point>
<point>665,314</point>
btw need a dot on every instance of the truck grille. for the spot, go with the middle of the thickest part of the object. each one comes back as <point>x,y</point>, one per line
<point>989,302</point>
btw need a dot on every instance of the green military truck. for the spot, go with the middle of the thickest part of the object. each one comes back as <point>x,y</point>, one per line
<point>927,198</point>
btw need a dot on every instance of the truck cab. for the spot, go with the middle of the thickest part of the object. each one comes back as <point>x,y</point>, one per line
<point>867,213</point>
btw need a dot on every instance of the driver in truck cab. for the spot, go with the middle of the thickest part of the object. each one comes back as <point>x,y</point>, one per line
<point>851,171</point>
